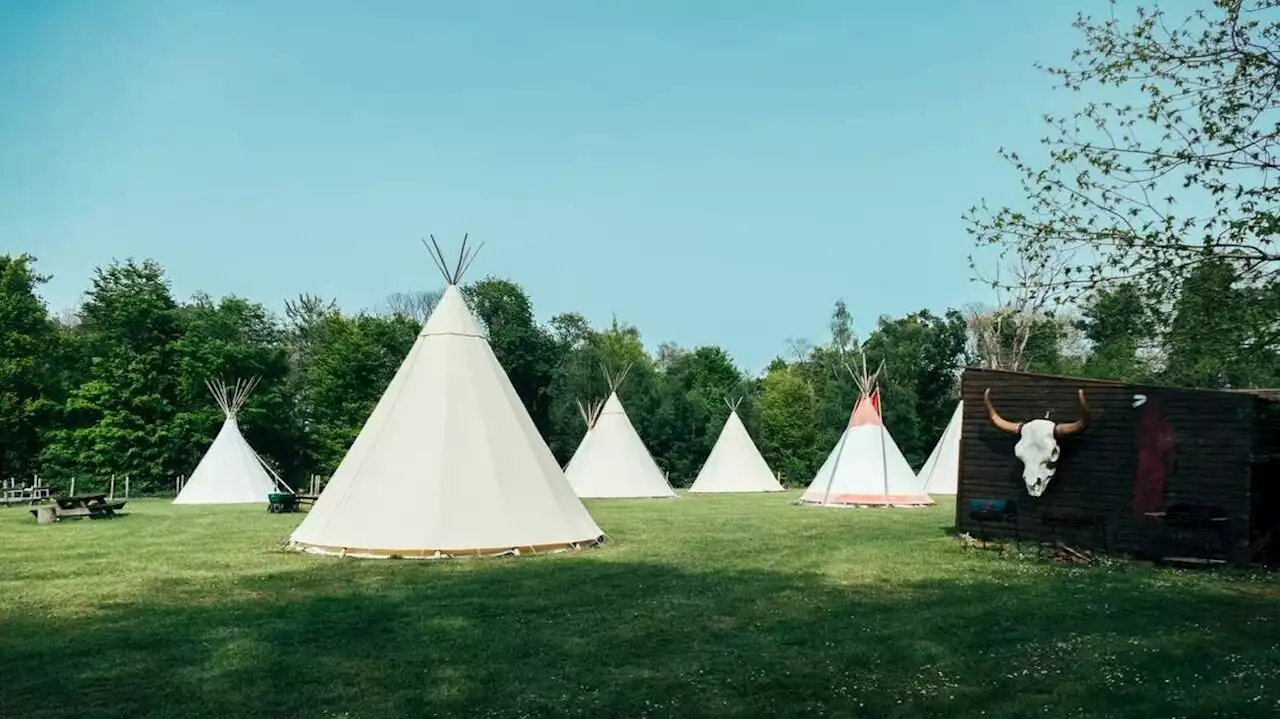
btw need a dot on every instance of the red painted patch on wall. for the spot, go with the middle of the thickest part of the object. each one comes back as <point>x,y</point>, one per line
<point>1156,444</point>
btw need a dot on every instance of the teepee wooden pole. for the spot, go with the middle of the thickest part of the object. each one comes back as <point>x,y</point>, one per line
<point>884,435</point>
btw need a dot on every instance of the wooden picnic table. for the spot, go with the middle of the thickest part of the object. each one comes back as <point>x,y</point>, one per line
<point>82,506</point>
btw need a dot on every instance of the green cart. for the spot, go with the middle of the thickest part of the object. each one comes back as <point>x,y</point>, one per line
<point>282,503</point>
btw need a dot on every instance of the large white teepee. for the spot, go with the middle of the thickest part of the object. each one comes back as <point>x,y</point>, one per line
<point>866,468</point>
<point>230,472</point>
<point>735,464</point>
<point>449,463</point>
<point>941,472</point>
<point>611,460</point>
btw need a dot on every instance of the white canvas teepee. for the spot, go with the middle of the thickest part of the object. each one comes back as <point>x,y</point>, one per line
<point>230,472</point>
<point>449,463</point>
<point>612,461</point>
<point>941,472</point>
<point>735,464</point>
<point>866,468</point>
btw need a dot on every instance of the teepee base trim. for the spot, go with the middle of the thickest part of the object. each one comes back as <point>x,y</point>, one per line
<point>369,553</point>
<point>869,500</point>
<point>691,490</point>
<point>624,496</point>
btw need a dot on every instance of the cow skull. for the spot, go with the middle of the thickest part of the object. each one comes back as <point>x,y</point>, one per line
<point>1037,445</point>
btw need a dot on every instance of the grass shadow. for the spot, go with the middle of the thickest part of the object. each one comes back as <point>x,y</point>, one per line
<point>578,637</point>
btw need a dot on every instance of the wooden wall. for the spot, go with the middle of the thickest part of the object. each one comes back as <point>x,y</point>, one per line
<point>1212,437</point>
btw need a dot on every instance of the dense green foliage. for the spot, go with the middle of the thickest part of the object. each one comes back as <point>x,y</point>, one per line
<point>119,388</point>
<point>711,606</point>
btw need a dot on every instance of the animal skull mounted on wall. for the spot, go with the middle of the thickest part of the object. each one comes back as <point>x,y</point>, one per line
<point>1037,445</point>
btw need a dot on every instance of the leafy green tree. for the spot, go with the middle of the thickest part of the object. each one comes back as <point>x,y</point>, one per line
<point>307,319</point>
<point>1213,339</point>
<point>119,420</point>
<point>570,330</point>
<point>527,352</point>
<point>842,337</point>
<point>351,363</point>
<point>28,341</point>
<point>827,370</point>
<point>922,355</point>
<point>1118,324</point>
<point>692,411</point>
<point>788,437</point>
<point>1169,162</point>
<point>580,376</point>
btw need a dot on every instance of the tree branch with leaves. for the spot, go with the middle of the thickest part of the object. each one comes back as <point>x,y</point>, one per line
<point>1171,160</point>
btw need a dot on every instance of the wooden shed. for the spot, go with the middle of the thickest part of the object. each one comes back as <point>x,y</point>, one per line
<point>1159,471</point>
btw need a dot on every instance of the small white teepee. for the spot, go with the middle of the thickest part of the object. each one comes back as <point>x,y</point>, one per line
<point>735,464</point>
<point>449,463</point>
<point>941,472</point>
<point>866,468</point>
<point>612,461</point>
<point>230,471</point>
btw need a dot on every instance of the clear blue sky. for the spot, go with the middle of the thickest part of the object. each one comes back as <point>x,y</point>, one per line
<point>713,172</point>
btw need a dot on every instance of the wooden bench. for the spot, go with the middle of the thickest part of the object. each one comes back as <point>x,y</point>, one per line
<point>86,506</point>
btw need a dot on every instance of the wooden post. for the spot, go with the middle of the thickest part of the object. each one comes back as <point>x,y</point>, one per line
<point>111,491</point>
<point>126,486</point>
<point>73,485</point>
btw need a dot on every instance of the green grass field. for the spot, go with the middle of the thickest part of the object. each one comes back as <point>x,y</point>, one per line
<point>703,606</point>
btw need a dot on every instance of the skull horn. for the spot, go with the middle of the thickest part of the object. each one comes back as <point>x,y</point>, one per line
<point>1000,423</point>
<point>1066,429</point>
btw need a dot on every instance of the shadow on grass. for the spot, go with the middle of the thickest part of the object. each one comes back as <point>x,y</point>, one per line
<point>573,636</point>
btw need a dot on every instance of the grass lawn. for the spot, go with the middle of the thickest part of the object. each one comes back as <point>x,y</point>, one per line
<point>703,606</point>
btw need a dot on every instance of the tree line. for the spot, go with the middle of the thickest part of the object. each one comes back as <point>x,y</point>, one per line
<point>118,386</point>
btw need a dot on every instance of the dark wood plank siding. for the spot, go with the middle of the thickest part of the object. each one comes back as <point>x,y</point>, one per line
<point>1213,431</point>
